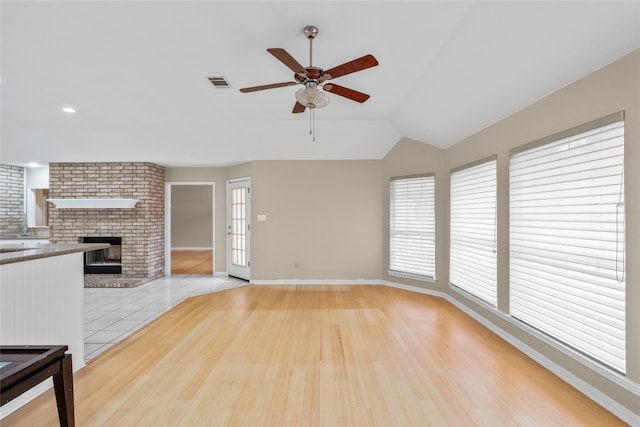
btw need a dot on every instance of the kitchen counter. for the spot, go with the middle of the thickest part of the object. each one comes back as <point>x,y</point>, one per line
<point>18,252</point>
<point>21,238</point>
<point>42,300</point>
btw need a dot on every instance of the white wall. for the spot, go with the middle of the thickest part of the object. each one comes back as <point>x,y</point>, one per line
<point>37,177</point>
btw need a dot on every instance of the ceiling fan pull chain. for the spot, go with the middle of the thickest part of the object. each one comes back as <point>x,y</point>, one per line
<point>312,124</point>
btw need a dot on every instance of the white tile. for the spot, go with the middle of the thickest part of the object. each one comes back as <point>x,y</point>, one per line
<point>99,324</point>
<point>123,325</point>
<point>113,314</point>
<point>103,337</point>
<point>91,348</point>
<point>143,315</point>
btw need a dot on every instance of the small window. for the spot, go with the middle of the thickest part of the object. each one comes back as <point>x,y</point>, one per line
<point>412,227</point>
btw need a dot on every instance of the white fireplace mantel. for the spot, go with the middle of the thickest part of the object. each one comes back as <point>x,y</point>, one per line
<point>94,203</point>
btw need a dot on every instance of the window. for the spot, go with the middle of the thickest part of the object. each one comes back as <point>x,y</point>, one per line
<point>238,227</point>
<point>472,230</point>
<point>412,227</point>
<point>567,238</point>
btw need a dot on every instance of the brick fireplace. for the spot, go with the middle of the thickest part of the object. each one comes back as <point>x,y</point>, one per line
<point>141,228</point>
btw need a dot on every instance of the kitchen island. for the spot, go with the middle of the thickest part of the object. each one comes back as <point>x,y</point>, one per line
<point>42,300</point>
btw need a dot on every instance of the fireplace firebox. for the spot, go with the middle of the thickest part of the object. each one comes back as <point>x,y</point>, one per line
<point>103,261</point>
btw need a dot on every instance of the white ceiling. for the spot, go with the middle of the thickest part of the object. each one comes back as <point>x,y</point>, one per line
<point>135,72</point>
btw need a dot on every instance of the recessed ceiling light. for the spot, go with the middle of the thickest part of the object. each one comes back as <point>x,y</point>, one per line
<point>69,110</point>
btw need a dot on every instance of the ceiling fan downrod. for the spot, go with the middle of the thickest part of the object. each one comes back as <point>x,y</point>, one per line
<point>310,32</point>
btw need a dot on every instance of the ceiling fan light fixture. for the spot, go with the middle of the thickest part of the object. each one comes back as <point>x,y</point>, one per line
<point>311,96</point>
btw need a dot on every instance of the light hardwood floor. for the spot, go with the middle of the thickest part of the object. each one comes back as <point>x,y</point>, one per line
<point>191,261</point>
<point>317,355</point>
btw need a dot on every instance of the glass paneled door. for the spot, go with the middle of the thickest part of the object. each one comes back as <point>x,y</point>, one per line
<point>239,228</point>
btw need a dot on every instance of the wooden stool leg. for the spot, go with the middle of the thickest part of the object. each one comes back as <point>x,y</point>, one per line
<point>63,386</point>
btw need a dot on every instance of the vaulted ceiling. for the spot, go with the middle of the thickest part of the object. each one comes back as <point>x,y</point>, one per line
<point>136,74</point>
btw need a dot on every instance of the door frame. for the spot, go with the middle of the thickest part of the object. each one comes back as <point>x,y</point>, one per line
<point>30,205</point>
<point>228,225</point>
<point>167,222</point>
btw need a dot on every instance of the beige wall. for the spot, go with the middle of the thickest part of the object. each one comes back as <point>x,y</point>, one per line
<point>326,216</point>
<point>191,216</point>
<point>615,87</point>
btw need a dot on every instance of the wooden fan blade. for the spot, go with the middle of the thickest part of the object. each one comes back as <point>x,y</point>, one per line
<point>298,108</point>
<point>354,95</point>
<point>284,57</point>
<point>263,87</point>
<point>359,64</point>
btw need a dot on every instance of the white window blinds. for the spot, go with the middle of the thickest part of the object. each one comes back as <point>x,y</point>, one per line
<point>567,240</point>
<point>472,230</point>
<point>412,226</point>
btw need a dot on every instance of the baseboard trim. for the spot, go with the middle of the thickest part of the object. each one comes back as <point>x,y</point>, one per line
<point>29,395</point>
<point>585,388</point>
<point>221,274</point>
<point>191,248</point>
<point>315,282</point>
<point>416,289</point>
<point>25,398</point>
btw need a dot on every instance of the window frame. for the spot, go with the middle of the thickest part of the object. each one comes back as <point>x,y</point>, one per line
<point>403,273</point>
<point>545,274</point>
<point>470,286</point>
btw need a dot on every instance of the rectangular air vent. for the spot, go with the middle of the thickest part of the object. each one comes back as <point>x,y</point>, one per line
<point>219,82</point>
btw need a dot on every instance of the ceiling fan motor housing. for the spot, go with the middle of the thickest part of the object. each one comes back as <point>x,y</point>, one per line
<point>310,73</point>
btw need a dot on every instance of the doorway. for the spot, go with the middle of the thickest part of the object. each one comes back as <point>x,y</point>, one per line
<point>37,206</point>
<point>190,238</point>
<point>239,228</point>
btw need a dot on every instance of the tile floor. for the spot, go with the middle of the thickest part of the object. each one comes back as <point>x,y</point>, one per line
<point>112,314</point>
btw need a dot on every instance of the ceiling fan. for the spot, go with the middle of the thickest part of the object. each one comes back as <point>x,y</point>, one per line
<point>313,78</point>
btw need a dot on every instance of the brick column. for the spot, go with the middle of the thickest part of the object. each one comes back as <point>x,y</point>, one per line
<point>12,220</point>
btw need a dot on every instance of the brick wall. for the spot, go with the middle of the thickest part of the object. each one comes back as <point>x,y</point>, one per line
<point>12,218</point>
<point>141,228</point>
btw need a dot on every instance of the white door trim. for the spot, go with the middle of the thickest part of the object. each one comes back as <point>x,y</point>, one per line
<point>167,221</point>
<point>30,203</point>
<point>240,272</point>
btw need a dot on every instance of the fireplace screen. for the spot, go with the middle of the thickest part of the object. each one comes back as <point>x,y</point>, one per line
<point>104,261</point>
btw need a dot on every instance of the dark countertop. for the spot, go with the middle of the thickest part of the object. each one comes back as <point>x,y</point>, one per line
<point>10,253</point>
<point>30,235</point>
<point>25,238</point>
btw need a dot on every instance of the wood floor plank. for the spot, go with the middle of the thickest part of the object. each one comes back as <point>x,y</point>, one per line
<point>317,355</point>
<point>191,261</point>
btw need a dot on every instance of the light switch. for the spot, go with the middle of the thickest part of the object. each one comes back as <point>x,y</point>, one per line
<point>262,218</point>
